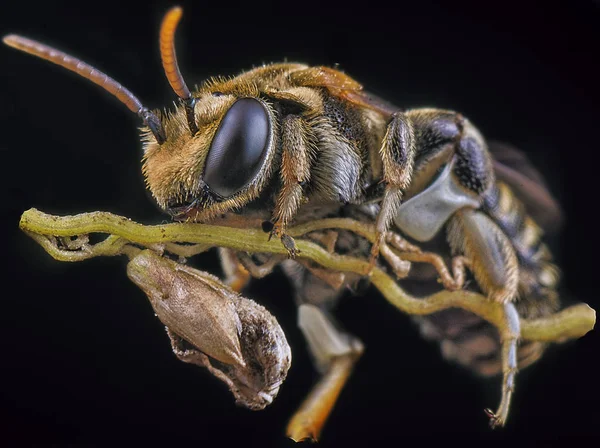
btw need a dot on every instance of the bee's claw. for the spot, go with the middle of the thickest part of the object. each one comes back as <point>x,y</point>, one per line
<point>374,255</point>
<point>289,243</point>
<point>495,421</point>
<point>275,232</point>
<point>372,261</point>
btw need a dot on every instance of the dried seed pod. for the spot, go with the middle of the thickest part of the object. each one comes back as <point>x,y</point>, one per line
<point>210,325</point>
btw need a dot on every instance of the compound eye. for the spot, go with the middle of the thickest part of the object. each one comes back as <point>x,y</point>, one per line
<point>239,148</point>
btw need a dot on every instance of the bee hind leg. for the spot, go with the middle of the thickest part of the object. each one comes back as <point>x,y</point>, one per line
<point>493,259</point>
<point>334,353</point>
<point>510,339</point>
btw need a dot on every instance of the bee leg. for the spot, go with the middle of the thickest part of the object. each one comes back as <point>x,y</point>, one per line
<point>239,267</point>
<point>236,275</point>
<point>493,260</point>
<point>453,197</point>
<point>327,239</point>
<point>400,243</point>
<point>409,252</point>
<point>434,132</point>
<point>335,354</point>
<point>259,270</point>
<point>510,339</point>
<point>332,278</point>
<point>471,232</point>
<point>527,353</point>
<point>296,160</point>
<point>397,155</point>
<point>400,266</point>
<point>451,280</point>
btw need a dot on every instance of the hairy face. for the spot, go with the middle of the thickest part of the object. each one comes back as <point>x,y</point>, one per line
<point>223,166</point>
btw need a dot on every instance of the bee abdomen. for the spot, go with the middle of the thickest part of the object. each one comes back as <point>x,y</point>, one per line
<point>538,276</point>
<point>511,216</point>
<point>472,342</point>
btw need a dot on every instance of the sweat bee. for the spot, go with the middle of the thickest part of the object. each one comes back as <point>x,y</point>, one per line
<point>289,143</point>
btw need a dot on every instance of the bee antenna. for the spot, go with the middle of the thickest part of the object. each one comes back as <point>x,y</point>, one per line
<point>96,76</point>
<point>171,67</point>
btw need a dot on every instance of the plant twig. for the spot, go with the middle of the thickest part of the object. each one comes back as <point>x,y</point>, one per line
<point>572,322</point>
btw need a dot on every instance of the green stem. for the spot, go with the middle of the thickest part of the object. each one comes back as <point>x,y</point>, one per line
<point>572,322</point>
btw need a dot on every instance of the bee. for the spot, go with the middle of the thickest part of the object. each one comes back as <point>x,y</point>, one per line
<point>287,143</point>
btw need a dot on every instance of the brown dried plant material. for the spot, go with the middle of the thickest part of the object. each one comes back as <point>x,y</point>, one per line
<point>212,326</point>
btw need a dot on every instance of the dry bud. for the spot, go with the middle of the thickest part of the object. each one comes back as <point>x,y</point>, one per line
<point>212,326</point>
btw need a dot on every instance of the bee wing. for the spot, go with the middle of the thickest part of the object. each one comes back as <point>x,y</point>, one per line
<point>324,77</point>
<point>514,168</point>
<point>342,86</point>
<point>370,101</point>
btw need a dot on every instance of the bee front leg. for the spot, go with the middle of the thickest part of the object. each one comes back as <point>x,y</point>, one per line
<point>296,161</point>
<point>334,354</point>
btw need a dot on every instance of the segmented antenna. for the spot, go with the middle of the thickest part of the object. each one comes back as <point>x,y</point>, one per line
<point>171,67</point>
<point>88,72</point>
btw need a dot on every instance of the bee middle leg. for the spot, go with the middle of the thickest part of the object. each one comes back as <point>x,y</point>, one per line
<point>421,140</point>
<point>397,154</point>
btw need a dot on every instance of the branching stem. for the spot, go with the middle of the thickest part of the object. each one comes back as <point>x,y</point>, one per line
<point>187,239</point>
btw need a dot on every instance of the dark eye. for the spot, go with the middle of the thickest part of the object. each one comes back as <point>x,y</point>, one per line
<point>239,148</point>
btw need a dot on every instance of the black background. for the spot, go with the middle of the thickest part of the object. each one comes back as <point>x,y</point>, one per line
<point>85,362</point>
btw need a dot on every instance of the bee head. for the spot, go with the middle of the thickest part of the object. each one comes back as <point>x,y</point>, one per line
<point>212,154</point>
<point>220,167</point>
<point>218,143</point>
